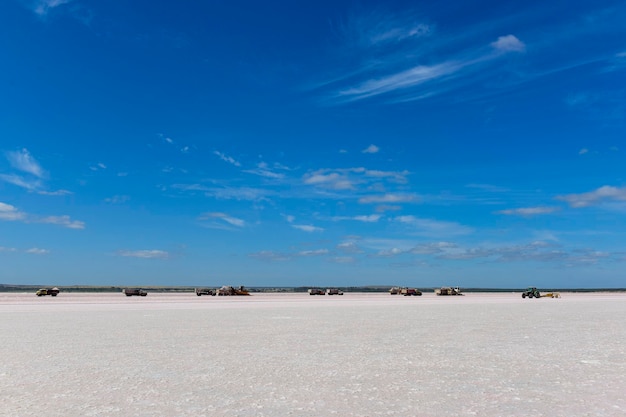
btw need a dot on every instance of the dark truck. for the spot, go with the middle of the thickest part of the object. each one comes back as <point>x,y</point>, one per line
<point>134,291</point>
<point>47,291</point>
<point>204,291</point>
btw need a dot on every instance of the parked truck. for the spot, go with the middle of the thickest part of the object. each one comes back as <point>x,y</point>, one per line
<point>316,291</point>
<point>448,291</point>
<point>334,291</point>
<point>134,291</point>
<point>228,290</point>
<point>410,291</point>
<point>204,291</point>
<point>47,291</point>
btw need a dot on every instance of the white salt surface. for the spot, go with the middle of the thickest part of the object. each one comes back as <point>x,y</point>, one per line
<point>301,355</point>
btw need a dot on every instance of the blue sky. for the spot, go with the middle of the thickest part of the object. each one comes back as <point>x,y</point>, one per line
<point>281,143</point>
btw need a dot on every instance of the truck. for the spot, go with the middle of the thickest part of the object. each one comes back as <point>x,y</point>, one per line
<point>47,291</point>
<point>316,291</point>
<point>134,291</point>
<point>448,291</point>
<point>410,291</point>
<point>228,290</point>
<point>205,291</point>
<point>395,290</point>
<point>334,291</point>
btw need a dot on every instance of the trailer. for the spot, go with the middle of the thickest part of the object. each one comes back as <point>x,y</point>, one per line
<point>316,291</point>
<point>334,291</point>
<point>204,291</point>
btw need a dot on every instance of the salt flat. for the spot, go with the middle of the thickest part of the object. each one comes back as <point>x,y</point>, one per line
<point>301,355</point>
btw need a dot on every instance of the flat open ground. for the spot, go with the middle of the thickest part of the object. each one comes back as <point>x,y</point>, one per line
<point>301,355</point>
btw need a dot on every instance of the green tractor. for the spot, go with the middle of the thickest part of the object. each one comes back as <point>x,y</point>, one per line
<point>531,292</point>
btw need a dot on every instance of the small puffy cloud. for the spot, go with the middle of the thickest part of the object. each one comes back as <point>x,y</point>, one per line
<point>145,254</point>
<point>64,221</point>
<point>227,158</point>
<point>371,149</point>
<point>10,213</point>
<point>389,198</point>
<point>529,211</point>
<point>333,180</point>
<point>349,247</point>
<point>598,196</point>
<point>509,43</point>
<point>37,251</point>
<point>307,228</point>
<point>23,161</point>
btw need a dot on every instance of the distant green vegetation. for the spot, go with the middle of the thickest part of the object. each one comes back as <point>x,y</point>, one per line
<point>368,289</point>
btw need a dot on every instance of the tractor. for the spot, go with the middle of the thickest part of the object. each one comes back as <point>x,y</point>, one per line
<point>531,292</point>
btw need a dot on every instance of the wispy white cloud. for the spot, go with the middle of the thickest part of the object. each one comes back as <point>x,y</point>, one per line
<point>117,199</point>
<point>97,167</point>
<point>316,252</point>
<point>64,221</point>
<point>583,151</point>
<point>529,211</point>
<point>509,43</point>
<point>43,7</point>
<point>307,228</point>
<point>23,161</point>
<point>390,198</point>
<point>30,184</point>
<point>227,158</point>
<point>55,193</point>
<point>37,251</point>
<point>5,249</point>
<point>145,254</point>
<point>372,218</point>
<point>436,228</point>
<point>10,213</point>
<point>232,221</point>
<point>268,255</point>
<point>601,195</point>
<point>263,170</point>
<point>371,149</point>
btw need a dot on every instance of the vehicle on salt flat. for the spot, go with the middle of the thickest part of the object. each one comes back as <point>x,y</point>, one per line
<point>316,291</point>
<point>228,290</point>
<point>448,291</point>
<point>47,291</point>
<point>205,291</point>
<point>395,290</point>
<point>334,291</point>
<point>134,291</point>
<point>410,291</point>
